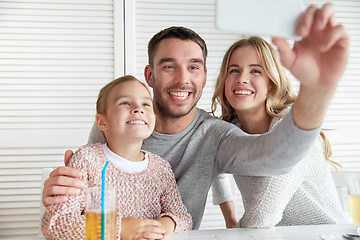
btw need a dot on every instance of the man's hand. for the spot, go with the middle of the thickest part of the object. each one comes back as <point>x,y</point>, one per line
<point>62,181</point>
<point>318,61</point>
<point>135,229</point>
<point>322,52</point>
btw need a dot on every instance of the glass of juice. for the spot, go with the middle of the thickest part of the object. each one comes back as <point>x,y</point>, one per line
<point>353,186</point>
<point>97,217</point>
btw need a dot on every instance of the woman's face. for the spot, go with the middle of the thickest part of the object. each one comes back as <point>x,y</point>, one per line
<point>246,83</point>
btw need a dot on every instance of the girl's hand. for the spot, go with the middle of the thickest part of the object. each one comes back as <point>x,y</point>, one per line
<point>133,228</point>
<point>168,225</point>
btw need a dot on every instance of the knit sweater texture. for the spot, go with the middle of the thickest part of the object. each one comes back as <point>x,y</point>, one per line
<point>210,146</point>
<point>304,196</point>
<point>150,194</point>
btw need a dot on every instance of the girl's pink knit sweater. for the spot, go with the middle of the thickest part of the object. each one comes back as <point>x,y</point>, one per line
<point>150,194</point>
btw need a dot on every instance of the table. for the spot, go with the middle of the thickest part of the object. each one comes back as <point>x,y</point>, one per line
<point>325,232</point>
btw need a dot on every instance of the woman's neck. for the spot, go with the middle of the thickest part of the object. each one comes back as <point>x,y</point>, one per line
<point>254,122</point>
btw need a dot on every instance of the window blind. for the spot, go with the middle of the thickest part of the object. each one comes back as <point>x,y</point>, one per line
<point>55,57</point>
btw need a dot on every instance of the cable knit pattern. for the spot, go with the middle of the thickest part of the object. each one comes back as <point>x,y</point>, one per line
<point>305,196</point>
<point>150,194</point>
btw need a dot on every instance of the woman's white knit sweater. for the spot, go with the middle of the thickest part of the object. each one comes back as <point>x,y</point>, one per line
<point>307,195</point>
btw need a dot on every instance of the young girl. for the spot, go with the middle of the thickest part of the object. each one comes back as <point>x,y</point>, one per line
<point>145,184</point>
<point>255,93</point>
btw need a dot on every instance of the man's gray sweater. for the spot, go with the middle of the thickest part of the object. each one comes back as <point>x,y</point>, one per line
<point>209,146</point>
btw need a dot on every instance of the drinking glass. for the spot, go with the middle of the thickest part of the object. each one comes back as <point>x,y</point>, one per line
<point>94,214</point>
<point>353,186</point>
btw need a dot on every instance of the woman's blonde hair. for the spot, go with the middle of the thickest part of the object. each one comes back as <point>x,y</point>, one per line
<point>101,104</point>
<point>280,95</point>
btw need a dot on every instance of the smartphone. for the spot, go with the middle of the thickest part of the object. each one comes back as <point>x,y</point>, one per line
<point>266,18</point>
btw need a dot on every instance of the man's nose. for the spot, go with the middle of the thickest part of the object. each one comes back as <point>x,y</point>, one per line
<point>183,76</point>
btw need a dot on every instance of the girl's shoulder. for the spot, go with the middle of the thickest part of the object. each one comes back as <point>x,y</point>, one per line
<point>158,161</point>
<point>90,148</point>
<point>89,153</point>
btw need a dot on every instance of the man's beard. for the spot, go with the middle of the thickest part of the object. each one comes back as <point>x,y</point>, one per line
<point>163,110</point>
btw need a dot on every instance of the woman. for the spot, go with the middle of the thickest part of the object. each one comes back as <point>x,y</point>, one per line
<point>254,93</point>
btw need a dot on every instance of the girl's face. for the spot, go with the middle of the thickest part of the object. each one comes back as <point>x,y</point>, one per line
<point>129,113</point>
<point>246,83</point>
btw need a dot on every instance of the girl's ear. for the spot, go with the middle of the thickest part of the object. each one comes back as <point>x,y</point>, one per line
<point>101,122</point>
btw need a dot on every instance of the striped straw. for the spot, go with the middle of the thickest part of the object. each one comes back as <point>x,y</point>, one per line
<point>103,201</point>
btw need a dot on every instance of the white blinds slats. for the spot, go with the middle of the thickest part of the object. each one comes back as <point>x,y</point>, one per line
<point>55,57</point>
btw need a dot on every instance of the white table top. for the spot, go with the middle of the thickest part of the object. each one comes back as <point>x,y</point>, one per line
<point>325,232</point>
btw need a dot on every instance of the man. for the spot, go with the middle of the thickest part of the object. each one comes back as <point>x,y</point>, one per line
<point>198,146</point>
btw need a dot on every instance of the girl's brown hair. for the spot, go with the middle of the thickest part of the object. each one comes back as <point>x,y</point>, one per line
<point>101,104</point>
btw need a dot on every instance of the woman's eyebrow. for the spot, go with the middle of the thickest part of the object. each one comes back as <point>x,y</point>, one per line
<point>251,65</point>
<point>233,65</point>
<point>255,65</point>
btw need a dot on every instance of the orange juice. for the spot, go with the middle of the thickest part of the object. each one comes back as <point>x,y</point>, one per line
<point>93,225</point>
<point>354,207</point>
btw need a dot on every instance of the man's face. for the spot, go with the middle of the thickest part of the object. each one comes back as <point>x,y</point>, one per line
<point>177,77</point>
